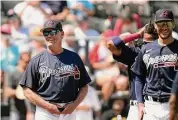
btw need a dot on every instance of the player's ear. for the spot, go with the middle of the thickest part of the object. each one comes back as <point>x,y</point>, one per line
<point>174,25</point>
<point>155,26</point>
<point>62,34</point>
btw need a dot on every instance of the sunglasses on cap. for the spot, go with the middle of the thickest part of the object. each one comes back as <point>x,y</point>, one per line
<point>167,23</point>
<point>51,32</point>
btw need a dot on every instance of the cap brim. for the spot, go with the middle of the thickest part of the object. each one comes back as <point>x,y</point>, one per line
<point>46,28</point>
<point>162,20</point>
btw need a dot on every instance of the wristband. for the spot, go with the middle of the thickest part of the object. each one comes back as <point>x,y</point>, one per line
<point>131,37</point>
<point>117,42</point>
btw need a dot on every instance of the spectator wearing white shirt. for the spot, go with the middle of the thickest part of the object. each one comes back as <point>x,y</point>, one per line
<point>33,12</point>
<point>89,105</point>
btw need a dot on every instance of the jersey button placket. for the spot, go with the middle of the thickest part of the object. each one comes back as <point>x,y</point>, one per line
<point>161,77</point>
<point>159,82</point>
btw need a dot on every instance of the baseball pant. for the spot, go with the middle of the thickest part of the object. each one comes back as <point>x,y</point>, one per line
<point>17,116</point>
<point>133,111</point>
<point>42,114</point>
<point>156,111</point>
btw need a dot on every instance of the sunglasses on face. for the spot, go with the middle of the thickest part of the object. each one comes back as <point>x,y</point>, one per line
<point>168,24</point>
<point>51,32</point>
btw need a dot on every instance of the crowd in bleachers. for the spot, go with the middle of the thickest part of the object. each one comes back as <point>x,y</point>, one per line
<point>87,26</point>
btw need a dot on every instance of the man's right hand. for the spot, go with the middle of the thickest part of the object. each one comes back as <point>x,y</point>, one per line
<point>53,109</point>
<point>112,48</point>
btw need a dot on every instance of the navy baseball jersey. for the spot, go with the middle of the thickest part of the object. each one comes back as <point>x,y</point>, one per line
<point>127,57</point>
<point>56,78</point>
<point>157,64</point>
<point>175,85</point>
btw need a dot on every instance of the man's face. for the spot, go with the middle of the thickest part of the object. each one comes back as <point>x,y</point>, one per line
<point>52,37</point>
<point>118,105</point>
<point>26,56</point>
<point>164,29</point>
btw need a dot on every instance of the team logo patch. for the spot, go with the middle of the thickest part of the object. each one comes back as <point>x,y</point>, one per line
<point>70,71</point>
<point>164,14</point>
<point>50,23</point>
<point>59,73</point>
<point>161,61</point>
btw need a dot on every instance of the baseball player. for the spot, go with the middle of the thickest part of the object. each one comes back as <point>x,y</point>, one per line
<point>155,66</point>
<point>127,55</point>
<point>173,115</point>
<point>56,79</point>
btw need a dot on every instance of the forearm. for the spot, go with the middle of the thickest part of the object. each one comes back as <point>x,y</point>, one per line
<point>83,107</point>
<point>116,44</point>
<point>139,84</point>
<point>64,13</point>
<point>82,93</point>
<point>35,99</point>
<point>173,107</point>
<point>44,12</point>
<point>118,41</point>
<point>131,37</point>
<point>9,92</point>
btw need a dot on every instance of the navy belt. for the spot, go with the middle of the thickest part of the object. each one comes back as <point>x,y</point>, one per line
<point>61,106</point>
<point>133,102</point>
<point>161,100</point>
<point>62,103</point>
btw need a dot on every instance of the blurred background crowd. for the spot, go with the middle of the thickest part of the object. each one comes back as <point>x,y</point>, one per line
<point>87,25</point>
